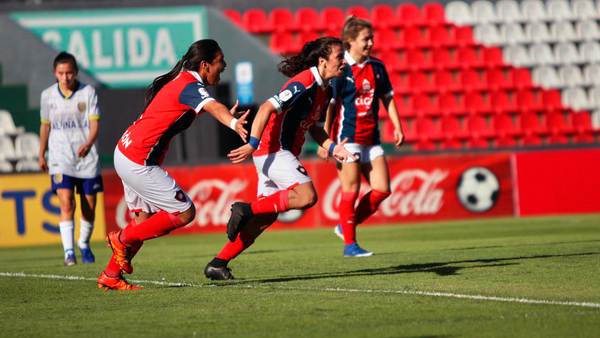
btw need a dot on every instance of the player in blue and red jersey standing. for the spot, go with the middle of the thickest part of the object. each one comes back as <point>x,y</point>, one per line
<point>276,140</point>
<point>160,205</point>
<point>354,116</point>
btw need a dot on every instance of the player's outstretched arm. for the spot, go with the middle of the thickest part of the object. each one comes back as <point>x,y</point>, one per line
<point>242,153</point>
<point>223,115</point>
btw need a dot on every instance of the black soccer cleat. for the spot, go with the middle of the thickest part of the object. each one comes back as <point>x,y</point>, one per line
<point>241,213</point>
<point>217,273</point>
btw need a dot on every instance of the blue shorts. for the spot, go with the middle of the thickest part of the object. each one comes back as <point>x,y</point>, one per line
<point>87,186</point>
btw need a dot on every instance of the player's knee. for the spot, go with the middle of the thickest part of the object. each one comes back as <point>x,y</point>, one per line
<point>309,200</point>
<point>67,207</point>
<point>188,216</point>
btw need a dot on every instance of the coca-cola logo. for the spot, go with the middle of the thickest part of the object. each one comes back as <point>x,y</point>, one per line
<point>414,192</point>
<point>212,199</point>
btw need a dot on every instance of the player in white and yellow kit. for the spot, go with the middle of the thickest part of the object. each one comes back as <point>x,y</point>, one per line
<point>69,130</point>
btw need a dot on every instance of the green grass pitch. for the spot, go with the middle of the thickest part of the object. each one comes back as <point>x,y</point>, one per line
<point>536,277</point>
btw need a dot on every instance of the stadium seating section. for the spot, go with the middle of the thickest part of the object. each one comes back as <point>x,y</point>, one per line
<point>475,75</point>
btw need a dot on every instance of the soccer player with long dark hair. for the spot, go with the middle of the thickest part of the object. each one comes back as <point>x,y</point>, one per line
<point>277,136</point>
<point>160,205</point>
<point>354,116</point>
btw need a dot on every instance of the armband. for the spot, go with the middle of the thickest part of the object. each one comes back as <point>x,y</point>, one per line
<point>232,123</point>
<point>254,142</point>
<point>331,147</point>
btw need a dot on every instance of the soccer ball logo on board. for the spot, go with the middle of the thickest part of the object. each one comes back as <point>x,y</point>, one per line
<point>478,189</point>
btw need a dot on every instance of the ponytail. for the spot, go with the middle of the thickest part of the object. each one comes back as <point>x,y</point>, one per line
<point>201,50</point>
<point>308,57</point>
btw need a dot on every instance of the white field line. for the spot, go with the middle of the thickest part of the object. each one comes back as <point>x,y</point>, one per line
<point>403,292</point>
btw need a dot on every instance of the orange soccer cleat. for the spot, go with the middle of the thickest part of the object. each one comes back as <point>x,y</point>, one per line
<point>122,252</point>
<point>115,283</point>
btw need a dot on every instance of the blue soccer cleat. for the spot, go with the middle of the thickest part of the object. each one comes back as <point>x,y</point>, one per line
<point>353,250</point>
<point>87,256</point>
<point>70,258</point>
<point>338,231</point>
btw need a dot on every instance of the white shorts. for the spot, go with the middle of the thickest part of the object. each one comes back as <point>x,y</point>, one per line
<point>149,188</point>
<point>362,153</point>
<point>279,171</point>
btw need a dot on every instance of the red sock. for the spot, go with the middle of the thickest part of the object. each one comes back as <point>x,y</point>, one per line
<point>113,269</point>
<point>278,202</point>
<point>368,205</point>
<point>232,249</point>
<point>158,225</point>
<point>348,216</point>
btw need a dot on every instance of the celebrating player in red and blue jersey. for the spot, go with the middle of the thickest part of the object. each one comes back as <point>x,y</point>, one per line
<point>160,205</point>
<point>354,116</point>
<point>276,140</point>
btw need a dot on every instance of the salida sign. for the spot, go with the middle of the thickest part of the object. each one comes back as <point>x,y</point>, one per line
<point>423,188</point>
<point>122,48</point>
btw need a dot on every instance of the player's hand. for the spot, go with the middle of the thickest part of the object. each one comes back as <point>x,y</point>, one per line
<point>43,164</point>
<point>341,154</point>
<point>399,137</point>
<point>323,153</point>
<point>240,154</point>
<point>84,150</point>
<point>236,113</point>
<point>239,125</point>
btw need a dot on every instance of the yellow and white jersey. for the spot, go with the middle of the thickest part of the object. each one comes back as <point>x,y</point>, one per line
<point>69,118</point>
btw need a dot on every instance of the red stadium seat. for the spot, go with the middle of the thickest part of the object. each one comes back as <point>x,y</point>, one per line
<point>283,43</point>
<point>434,14</point>
<point>520,78</point>
<point>411,38</point>
<point>448,104</point>
<point>552,100</point>
<point>492,57</point>
<point>476,105</point>
<point>409,15</point>
<point>452,130</point>
<point>527,102</point>
<point>399,84</point>
<point>469,81</point>
<point>468,58</point>
<point>403,107</point>
<point>464,36</point>
<point>477,143</point>
<point>306,36</point>
<point>441,36</point>
<point>421,105</point>
<point>557,139</point>
<point>451,144</point>
<point>393,62</point>
<point>416,60</point>
<point>496,80</point>
<point>531,125</point>
<point>426,129</point>
<point>283,20</point>
<point>584,138</point>
<point>478,128</point>
<point>419,83</point>
<point>531,141</point>
<point>359,12</point>
<point>234,16</point>
<point>444,82</point>
<point>501,103</point>
<point>407,130</point>
<point>503,126</point>
<point>442,59</point>
<point>582,123</point>
<point>505,142</point>
<point>425,145</point>
<point>308,19</point>
<point>255,21</point>
<point>383,17</point>
<point>333,18</point>
<point>557,124</point>
<point>385,40</point>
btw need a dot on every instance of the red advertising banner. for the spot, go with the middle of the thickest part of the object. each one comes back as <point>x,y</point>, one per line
<point>558,182</point>
<point>424,188</point>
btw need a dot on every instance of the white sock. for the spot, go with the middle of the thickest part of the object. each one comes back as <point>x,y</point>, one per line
<point>67,228</point>
<point>85,233</point>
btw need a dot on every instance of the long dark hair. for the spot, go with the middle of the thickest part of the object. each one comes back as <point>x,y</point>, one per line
<point>201,50</point>
<point>309,56</point>
<point>64,57</point>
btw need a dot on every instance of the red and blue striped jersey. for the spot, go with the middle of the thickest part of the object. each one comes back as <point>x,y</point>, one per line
<point>356,96</point>
<point>301,103</point>
<point>171,111</point>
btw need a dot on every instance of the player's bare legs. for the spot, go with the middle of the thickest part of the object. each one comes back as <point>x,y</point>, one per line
<point>66,199</point>
<point>86,227</point>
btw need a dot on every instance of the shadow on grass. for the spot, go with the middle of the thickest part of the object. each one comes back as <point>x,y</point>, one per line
<point>519,245</point>
<point>441,269</point>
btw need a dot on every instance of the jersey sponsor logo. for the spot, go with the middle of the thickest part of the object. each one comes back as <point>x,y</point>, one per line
<point>302,170</point>
<point>81,106</point>
<point>180,196</point>
<point>366,86</point>
<point>125,141</point>
<point>72,124</point>
<point>285,95</point>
